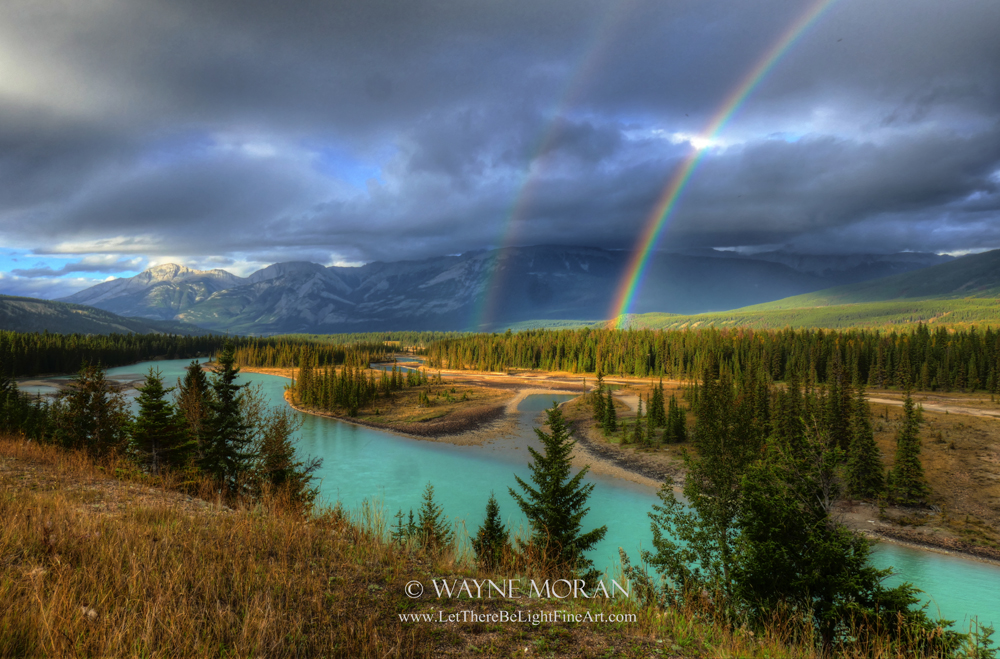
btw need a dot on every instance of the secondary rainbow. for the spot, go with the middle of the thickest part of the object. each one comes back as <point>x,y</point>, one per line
<point>484,311</point>
<point>629,285</point>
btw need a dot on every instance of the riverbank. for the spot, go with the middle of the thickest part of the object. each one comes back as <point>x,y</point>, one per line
<point>96,566</point>
<point>961,454</point>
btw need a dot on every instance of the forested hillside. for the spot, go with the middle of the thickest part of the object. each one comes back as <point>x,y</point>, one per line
<point>927,359</point>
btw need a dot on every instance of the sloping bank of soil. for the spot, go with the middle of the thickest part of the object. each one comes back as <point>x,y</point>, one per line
<point>457,426</point>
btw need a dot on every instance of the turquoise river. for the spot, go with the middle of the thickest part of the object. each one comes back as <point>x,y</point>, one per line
<point>391,472</point>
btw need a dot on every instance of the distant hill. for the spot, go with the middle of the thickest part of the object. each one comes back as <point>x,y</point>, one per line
<point>844,268</point>
<point>25,314</point>
<point>965,291</point>
<point>894,314</point>
<point>971,276</point>
<point>537,285</point>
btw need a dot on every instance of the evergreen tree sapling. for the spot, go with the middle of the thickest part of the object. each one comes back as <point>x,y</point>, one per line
<point>610,416</point>
<point>491,542</point>
<point>555,504</point>
<point>277,467</point>
<point>909,488</point>
<point>433,531</point>
<point>637,432</point>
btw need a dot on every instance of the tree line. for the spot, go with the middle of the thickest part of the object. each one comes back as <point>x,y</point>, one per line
<point>350,388</point>
<point>37,353</point>
<point>212,426</point>
<point>413,341</point>
<point>926,359</point>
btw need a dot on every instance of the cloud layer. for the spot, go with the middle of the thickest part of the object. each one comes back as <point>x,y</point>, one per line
<point>232,134</point>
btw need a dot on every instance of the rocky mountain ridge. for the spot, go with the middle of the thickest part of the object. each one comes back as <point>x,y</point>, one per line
<point>480,290</point>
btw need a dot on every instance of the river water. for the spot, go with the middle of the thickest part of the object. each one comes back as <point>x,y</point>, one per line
<point>362,464</point>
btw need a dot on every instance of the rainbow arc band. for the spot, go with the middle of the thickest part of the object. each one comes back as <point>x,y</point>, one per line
<point>485,309</point>
<point>630,283</point>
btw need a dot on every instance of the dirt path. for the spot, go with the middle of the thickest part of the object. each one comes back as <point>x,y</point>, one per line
<point>950,408</point>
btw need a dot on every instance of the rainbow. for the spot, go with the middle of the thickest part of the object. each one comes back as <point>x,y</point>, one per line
<point>629,285</point>
<point>486,307</point>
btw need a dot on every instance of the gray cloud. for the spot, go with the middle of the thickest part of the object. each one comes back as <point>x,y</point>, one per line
<point>88,265</point>
<point>236,132</point>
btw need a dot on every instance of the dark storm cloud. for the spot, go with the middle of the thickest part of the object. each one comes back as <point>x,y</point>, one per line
<point>87,265</point>
<point>235,132</point>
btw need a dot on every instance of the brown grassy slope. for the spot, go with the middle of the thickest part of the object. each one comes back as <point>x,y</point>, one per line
<point>93,566</point>
<point>961,458</point>
<point>98,567</point>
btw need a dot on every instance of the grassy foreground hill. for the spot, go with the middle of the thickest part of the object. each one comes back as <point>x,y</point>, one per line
<point>96,566</point>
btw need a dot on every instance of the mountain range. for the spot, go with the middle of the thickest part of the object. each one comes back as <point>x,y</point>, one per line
<point>480,290</point>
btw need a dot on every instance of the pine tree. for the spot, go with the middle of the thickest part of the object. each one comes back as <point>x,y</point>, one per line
<point>610,416</point>
<point>227,455</point>
<point>433,530</point>
<point>600,405</point>
<point>657,414</point>
<point>556,505</point>
<point>277,466</point>
<point>93,415</point>
<point>637,434</point>
<point>909,487</point>
<point>676,425</point>
<point>159,435</point>
<point>192,399</point>
<point>491,541</point>
<point>399,533</point>
<point>865,474</point>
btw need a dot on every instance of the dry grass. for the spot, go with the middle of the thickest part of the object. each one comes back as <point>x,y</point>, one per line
<point>97,566</point>
<point>961,457</point>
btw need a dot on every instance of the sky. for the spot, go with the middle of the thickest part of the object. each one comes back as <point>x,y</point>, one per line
<point>235,134</point>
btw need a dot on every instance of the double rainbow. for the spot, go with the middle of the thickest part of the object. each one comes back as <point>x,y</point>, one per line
<point>630,283</point>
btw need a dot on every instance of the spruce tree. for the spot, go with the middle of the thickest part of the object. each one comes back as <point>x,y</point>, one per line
<point>399,534</point>
<point>676,426</point>
<point>433,531</point>
<point>600,405</point>
<point>637,434</point>
<point>556,505</point>
<point>492,540</point>
<point>159,435</point>
<point>191,401</point>
<point>656,412</point>
<point>610,416</point>
<point>865,474</point>
<point>227,454</point>
<point>92,414</point>
<point>277,467</point>
<point>909,488</point>
<point>794,554</point>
